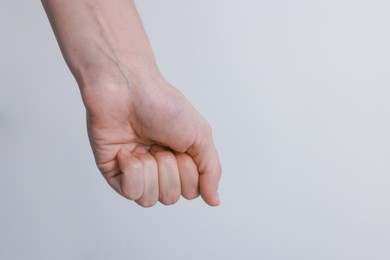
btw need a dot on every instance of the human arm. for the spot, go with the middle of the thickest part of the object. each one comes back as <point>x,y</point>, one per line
<point>149,142</point>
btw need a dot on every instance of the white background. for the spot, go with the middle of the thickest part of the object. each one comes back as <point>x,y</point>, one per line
<point>297,93</point>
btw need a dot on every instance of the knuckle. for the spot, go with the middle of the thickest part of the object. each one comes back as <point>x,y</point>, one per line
<point>147,203</point>
<point>150,163</point>
<point>169,198</point>
<point>190,195</point>
<point>165,157</point>
<point>186,162</point>
<point>135,165</point>
<point>131,194</point>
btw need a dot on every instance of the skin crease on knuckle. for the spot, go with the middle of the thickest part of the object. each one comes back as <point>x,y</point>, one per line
<point>165,158</point>
<point>149,163</point>
<point>186,161</point>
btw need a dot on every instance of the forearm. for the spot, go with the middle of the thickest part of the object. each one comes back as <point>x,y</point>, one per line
<point>102,41</point>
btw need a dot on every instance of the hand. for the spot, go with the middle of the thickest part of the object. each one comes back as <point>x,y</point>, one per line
<point>151,144</point>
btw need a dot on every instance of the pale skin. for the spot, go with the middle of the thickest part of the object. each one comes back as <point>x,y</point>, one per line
<point>149,142</point>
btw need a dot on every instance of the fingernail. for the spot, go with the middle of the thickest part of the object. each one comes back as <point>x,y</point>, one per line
<point>140,149</point>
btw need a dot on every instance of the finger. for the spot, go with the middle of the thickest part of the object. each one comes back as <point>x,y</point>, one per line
<point>131,179</point>
<point>189,176</point>
<point>205,156</point>
<point>151,193</point>
<point>168,175</point>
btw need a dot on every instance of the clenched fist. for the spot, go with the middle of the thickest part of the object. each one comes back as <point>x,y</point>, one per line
<point>148,141</point>
<point>152,145</point>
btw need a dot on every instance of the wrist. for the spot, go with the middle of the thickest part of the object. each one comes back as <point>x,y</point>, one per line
<point>131,72</point>
<point>102,42</point>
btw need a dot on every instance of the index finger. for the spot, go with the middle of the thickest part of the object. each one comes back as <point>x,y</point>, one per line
<point>206,157</point>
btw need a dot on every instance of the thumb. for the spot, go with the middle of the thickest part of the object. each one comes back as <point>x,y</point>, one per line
<point>206,157</point>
